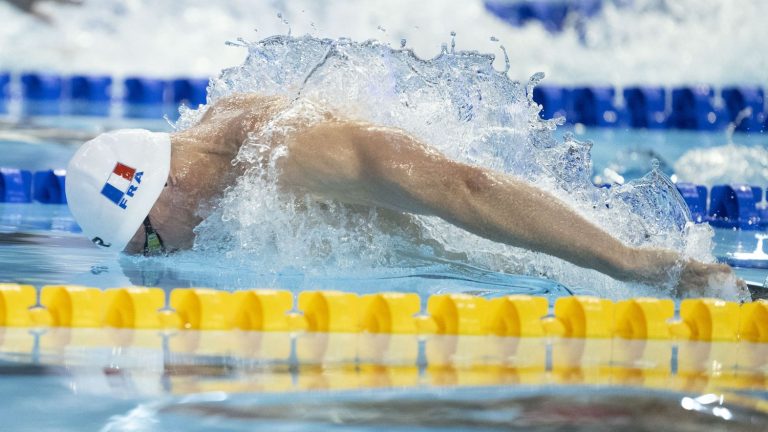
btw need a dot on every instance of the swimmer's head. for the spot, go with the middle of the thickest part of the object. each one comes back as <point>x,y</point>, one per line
<point>114,180</point>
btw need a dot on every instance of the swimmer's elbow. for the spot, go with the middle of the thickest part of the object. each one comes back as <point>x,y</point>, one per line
<point>460,189</point>
<point>425,180</point>
<point>474,181</point>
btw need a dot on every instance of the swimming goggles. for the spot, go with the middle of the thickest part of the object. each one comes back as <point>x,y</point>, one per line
<point>153,244</point>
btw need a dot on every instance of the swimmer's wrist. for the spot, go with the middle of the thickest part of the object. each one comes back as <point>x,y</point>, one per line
<point>649,266</point>
<point>625,266</point>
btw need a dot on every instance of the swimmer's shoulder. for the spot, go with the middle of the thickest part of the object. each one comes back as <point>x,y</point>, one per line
<point>242,103</point>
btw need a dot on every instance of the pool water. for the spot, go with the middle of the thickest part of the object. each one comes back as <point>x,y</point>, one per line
<point>36,235</point>
<point>612,145</point>
<point>116,380</point>
<point>125,380</point>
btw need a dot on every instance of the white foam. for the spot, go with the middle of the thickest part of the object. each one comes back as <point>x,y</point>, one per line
<point>646,42</point>
<point>643,41</point>
<point>731,163</point>
<point>456,103</point>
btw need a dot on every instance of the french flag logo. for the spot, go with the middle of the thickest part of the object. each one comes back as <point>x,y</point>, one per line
<point>119,186</point>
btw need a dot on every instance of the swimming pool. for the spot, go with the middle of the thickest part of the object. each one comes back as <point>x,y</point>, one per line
<point>108,375</point>
<point>120,379</point>
<point>36,233</point>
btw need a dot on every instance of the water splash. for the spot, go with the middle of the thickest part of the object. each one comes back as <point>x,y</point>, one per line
<point>730,163</point>
<point>642,41</point>
<point>457,103</point>
<point>284,21</point>
<point>732,126</point>
<point>506,59</point>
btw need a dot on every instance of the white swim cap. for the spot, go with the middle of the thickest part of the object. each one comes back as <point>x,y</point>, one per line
<point>114,180</point>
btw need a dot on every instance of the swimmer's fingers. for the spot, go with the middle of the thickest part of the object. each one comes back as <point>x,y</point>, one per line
<point>719,268</point>
<point>697,277</point>
<point>743,290</point>
<point>742,284</point>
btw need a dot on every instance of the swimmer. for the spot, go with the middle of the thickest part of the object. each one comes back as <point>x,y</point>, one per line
<point>142,191</point>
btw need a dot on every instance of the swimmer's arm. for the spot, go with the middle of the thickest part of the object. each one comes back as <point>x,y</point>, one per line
<point>385,167</point>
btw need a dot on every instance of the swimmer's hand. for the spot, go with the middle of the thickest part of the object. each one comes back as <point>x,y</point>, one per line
<point>701,279</point>
<point>695,278</point>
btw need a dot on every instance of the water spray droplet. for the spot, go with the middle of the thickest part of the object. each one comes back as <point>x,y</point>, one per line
<point>436,109</point>
<point>284,21</point>
<point>732,126</point>
<point>382,29</point>
<point>506,59</point>
<point>494,39</point>
<point>239,42</point>
<point>655,164</point>
<point>533,81</point>
<point>453,42</point>
<point>536,78</point>
<point>403,42</point>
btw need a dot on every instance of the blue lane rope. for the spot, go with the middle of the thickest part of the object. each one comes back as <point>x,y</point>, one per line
<point>702,107</point>
<point>48,94</point>
<point>725,206</point>
<point>22,186</point>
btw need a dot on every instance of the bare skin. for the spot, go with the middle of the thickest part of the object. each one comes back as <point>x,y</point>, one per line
<point>365,164</point>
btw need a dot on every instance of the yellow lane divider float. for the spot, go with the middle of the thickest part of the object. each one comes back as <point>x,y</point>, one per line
<point>390,313</point>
